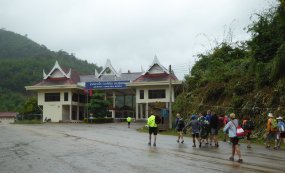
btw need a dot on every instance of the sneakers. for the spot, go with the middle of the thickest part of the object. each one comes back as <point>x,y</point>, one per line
<point>154,144</point>
<point>149,143</point>
<point>177,141</point>
<point>240,160</point>
<point>217,145</point>
<point>231,158</point>
<point>182,142</point>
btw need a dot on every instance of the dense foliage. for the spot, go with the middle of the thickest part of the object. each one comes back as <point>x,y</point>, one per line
<point>98,105</point>
<point>247,78</point>
<point>22,62</point>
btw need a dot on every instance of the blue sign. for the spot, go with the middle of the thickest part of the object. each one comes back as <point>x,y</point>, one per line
<point>106,85</point>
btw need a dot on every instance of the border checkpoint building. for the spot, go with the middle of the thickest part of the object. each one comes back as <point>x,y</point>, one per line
<point>62,97</point>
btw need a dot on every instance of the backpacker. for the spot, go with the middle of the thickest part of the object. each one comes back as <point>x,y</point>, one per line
<point>180,123</point>
<point>274,124</point>
<point>240,132</point>
<point>281,126</point>
<point>157,120</point>
<point>248,125</point>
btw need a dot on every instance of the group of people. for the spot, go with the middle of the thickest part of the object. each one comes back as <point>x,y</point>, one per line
<point>275,131</point>
<point>205,129</point>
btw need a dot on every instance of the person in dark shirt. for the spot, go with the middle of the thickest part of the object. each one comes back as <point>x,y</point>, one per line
<point>214,124</point>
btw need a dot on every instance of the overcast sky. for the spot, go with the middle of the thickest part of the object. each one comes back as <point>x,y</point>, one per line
<point>130,32</point>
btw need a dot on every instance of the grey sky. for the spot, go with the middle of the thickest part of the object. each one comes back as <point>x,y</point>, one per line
<point>130,32</point>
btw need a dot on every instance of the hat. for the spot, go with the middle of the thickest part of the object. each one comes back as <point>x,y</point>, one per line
<point>270,115</point>
<point>279,118</point>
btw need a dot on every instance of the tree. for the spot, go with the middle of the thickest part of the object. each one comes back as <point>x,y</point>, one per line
<point>31,106</point>
<point>98,106</point>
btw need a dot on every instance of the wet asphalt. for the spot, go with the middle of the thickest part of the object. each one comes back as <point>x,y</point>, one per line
<point>114,148</point>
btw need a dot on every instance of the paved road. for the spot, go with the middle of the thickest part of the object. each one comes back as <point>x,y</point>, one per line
<point>80,148</point>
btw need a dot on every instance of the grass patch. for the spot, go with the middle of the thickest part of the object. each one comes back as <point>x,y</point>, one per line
<point>28,122</point>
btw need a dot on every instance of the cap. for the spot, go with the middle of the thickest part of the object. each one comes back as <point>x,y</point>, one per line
<point>270,115</point>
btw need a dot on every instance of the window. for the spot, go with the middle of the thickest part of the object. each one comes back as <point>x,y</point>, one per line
<point>156,94</point>
<point>75,97</point>
<point>52,97</point>
<point>141,94</point>
<point>65,96</point>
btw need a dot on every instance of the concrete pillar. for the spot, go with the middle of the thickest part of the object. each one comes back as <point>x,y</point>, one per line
<point>137,111</point>
<point>114,104</point>
<point>77,117</point>
<point>141,111</point>
<point>146,110</point>
<point>70,112</point>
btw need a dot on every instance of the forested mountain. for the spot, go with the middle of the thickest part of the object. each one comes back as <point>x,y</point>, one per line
<point>247,78</point>
<point>22,62</point>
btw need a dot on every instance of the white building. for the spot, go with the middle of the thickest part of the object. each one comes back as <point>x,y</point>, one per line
<point>61,92</point>
<point>7,117</point>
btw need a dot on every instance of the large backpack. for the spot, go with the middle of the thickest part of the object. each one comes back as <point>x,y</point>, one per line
<point>180,123</point>
<point>157,120</point>
<point>281,126</point>
<point>274,124</point>
<point>248,125</point>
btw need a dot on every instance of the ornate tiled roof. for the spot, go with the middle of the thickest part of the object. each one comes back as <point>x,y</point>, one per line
<point>155,77</point>
<point>8,114</point>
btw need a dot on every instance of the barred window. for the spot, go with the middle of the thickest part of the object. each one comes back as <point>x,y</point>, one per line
<point>141,94</point>
<point>52,97</point>
<point>156,94</point>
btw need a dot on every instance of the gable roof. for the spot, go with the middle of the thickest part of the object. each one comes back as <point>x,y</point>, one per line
<point>56,68</point>
<point>60,76</point>
<point>108,66</point>
<point>156,63</point>
<point>156,73</point>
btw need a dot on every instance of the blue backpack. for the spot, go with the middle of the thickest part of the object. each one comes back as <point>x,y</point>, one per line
<point>281,126</point>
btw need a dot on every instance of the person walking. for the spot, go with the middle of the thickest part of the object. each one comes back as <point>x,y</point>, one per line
<point>248,126</point>
<point>208,117</point>
<point>152,129</point>
<point>231,127</point>
<point>179,127</point>
<point>271,131</point>
<point>129,120</point>
<point>225,121</point>
<point>281,131</point>
<point>194,123</point>
<point>214,124</point>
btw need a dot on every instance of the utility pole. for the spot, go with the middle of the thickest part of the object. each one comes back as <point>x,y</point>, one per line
<point>170,99</point>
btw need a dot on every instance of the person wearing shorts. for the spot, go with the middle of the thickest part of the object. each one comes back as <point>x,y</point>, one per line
<point>280,134</point>
<point>153,129</point>
<point>214,124</point>
<point>194,123</point>
<point>231,127</point>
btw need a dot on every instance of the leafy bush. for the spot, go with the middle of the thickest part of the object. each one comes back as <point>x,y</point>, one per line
<point>214,93</point>
<point>237,102</point>
<point>279,63</point>
<point>243,87</point>
<point>262,74</point>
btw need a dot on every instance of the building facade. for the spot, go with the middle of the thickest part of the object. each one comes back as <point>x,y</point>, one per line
<point>63,94</point>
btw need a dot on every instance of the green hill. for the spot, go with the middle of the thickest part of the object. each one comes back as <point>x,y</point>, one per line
<point>247,78</point>
<point>22,62</point>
